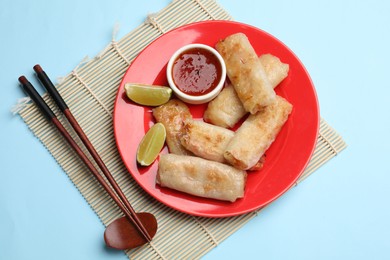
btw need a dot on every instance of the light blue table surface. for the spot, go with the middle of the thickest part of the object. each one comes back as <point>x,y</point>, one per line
<point>340,212</point>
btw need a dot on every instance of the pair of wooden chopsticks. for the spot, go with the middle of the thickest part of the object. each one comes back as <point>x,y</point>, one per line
<point>119,198</point>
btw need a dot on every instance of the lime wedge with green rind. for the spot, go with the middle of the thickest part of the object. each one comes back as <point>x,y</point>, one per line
<point>151,145</point>
<point>148,95</point>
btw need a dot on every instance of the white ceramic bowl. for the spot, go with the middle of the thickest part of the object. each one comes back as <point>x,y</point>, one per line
<point>194,99</point>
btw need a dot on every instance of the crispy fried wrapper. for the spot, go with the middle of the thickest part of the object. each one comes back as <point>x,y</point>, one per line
<point>209,141</point>
<point>256,134</point>
<point>206,140</point>
<point>200,177</point>
<point>246,72</point>
<point>172,115</point>
<point>226,109</point>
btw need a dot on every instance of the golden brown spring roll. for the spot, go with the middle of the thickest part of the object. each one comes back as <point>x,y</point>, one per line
<point>256,134</point>
<point>246,72</point>
<point>206,140</point>
<point>226,109</point>
<point>276,70</point>
<point>259,164</point>
<point>172,115</point>
<point>209,141</point>
<point>201,177</point>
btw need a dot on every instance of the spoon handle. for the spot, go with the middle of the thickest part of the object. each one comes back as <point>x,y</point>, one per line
<point>47,83</point>
<point>31,91</point>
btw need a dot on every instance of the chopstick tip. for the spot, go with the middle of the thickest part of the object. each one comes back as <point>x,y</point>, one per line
<point>38,68</point>
<point>23,80</point>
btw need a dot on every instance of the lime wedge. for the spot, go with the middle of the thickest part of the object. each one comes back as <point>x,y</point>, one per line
<point>151,145</point>
<point>148,95</point>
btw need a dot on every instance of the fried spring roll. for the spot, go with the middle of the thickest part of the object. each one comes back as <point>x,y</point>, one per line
<point>226,109</point>
<point>209,141</point>
<point>259,164</point>
<point>275,69</point>
<point>206,140</point>
<point>256,134</point>
<point>172,115</point>
<point>201,177</point>
<point>246,72</point>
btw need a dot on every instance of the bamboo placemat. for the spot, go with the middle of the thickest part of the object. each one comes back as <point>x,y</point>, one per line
<point>90,90</point>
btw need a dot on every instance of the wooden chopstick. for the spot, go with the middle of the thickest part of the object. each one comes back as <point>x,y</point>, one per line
<point>47,83</point>
<point>122,202</point>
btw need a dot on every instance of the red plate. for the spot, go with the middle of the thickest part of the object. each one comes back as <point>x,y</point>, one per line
<point>286,158</point>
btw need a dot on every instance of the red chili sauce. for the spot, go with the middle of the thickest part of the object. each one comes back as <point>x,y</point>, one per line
<point>196,72</point>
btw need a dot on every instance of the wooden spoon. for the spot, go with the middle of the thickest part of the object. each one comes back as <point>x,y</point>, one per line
<point>122,234</point>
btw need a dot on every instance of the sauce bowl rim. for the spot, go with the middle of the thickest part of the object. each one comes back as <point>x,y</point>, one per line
<point>201,98</point>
